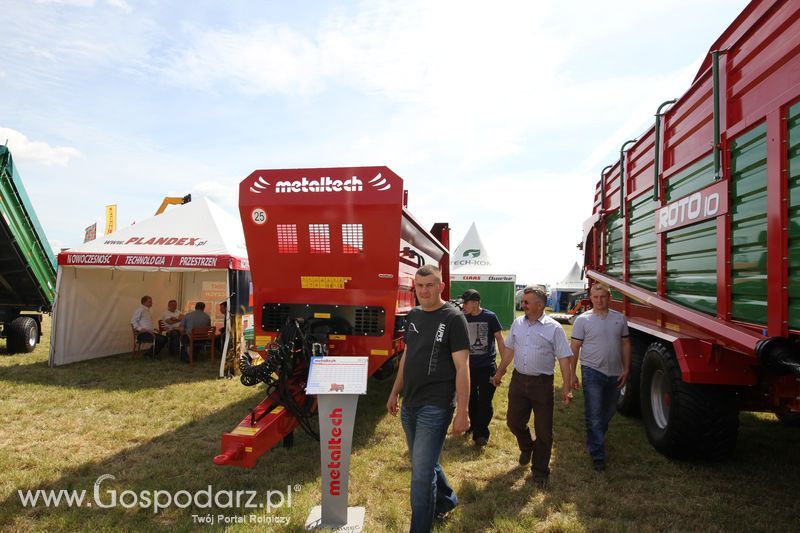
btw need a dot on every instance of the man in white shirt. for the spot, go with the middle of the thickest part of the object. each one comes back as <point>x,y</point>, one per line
<point>142,324</point>
<point>172,326</point>
<point>535,342</point>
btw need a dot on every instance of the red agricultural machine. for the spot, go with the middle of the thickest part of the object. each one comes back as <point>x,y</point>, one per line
<point>332,254</point>
<point>696,229</point>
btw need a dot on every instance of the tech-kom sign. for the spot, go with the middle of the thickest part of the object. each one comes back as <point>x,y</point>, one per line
<point>471,256</point>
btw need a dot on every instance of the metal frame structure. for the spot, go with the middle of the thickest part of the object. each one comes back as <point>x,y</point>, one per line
<point>336,248</point>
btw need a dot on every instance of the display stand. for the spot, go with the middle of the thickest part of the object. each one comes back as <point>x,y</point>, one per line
<point>337,382</point>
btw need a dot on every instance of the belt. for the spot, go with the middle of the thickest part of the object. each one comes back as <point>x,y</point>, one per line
<point>532,375</point>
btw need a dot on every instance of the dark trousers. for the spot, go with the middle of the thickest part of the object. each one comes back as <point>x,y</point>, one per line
<point>219,340</point>
<point>198,346</point>
<point>526,394</point>
<point>157,339</point>
<point>480,400</point>
<point>174,341</point>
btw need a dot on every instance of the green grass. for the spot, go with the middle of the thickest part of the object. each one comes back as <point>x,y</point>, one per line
<point>156,425</point>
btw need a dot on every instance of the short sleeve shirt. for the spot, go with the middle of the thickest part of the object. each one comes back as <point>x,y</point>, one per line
<point>482,328</point>
<point>195,319</point>
<point>171,314</point>
<point>537,345</point>
<point>429,373</point>
<point>602,340</point>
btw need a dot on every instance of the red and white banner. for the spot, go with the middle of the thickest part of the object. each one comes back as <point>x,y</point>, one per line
<point>157,261</point>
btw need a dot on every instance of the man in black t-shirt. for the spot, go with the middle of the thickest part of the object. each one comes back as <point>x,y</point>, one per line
<point>434,380</point>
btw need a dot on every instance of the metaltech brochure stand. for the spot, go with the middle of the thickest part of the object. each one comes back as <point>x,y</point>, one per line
<point>337,382</point>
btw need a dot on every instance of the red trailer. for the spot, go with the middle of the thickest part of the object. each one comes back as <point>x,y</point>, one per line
<point>332,254</point>
<point>696,229</point>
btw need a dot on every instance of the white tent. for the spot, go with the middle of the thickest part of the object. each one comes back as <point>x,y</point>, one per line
<point>573,280</point>
<point>560,292</point>
<point>184,254</point>
<point>471,268</point>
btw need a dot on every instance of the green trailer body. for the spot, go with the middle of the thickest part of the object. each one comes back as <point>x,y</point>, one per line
<point>27,264</point>
<point>696,230</point>
<point>496,296</point>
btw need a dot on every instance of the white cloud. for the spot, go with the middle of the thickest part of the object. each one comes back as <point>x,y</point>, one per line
<point>76,3</point>
<point>120,4</point>
<point>458,81</point>
<point>224,192</point>
<point>263,59</point>
<point>37,151</point>
<point>527,221</point>
<point>465,100</point>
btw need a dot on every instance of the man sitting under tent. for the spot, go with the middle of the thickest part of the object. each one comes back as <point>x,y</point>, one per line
<point>172,326</point>
<point>142,324</point>
<point>196,319</point>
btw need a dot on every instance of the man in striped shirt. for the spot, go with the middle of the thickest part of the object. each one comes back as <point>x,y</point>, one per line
<point>535,342</point>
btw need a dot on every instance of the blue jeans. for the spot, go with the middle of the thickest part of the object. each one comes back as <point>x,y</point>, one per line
<point>425,427</point>
<point>600,395</point>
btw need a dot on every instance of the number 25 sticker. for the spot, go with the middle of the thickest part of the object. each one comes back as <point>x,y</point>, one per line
<point>259,216</point>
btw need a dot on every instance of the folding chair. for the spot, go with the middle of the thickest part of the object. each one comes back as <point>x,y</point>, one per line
<point>201,335</point>
<point>140,346</point>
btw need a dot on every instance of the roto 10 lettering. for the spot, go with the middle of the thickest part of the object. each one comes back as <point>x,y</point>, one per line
<point>696,207</point>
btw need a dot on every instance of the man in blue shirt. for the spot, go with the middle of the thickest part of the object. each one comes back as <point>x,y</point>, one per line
<point>484,329</point>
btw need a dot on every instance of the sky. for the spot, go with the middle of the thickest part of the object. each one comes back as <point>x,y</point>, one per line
<point>499,113</point>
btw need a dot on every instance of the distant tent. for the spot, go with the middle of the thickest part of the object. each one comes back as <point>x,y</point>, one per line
<point>561,292</point>
<point>471,268</point>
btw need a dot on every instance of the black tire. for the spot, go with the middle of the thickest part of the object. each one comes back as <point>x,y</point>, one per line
<point>22,335</point>
<point>684,420</point>
<point>791,420</point>
<point>386,370</point>
<point>629,401</point>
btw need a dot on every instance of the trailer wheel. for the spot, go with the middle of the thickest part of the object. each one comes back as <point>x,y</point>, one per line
<point>791,420</point>
<point>23,334</point>
<point>386,370</point>
<point>685,420</point>
<point>629,403</point>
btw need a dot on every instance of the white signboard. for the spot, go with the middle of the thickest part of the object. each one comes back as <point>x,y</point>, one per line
<point>338,375</point>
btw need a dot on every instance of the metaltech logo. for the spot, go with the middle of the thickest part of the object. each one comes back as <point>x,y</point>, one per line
<point>322,184</point>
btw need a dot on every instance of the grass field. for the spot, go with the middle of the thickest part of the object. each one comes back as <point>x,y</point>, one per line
<point>156,425</point>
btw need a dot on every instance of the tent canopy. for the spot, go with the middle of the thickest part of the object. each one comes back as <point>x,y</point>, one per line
<point>561,292</point>
<point>572,281</point>
<point>185,254</point>
<point>471,268</point>
<point>471,256</point>
<point>194,235</point>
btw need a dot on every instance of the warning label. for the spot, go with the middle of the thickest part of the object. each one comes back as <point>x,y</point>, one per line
<point>324,282</point>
